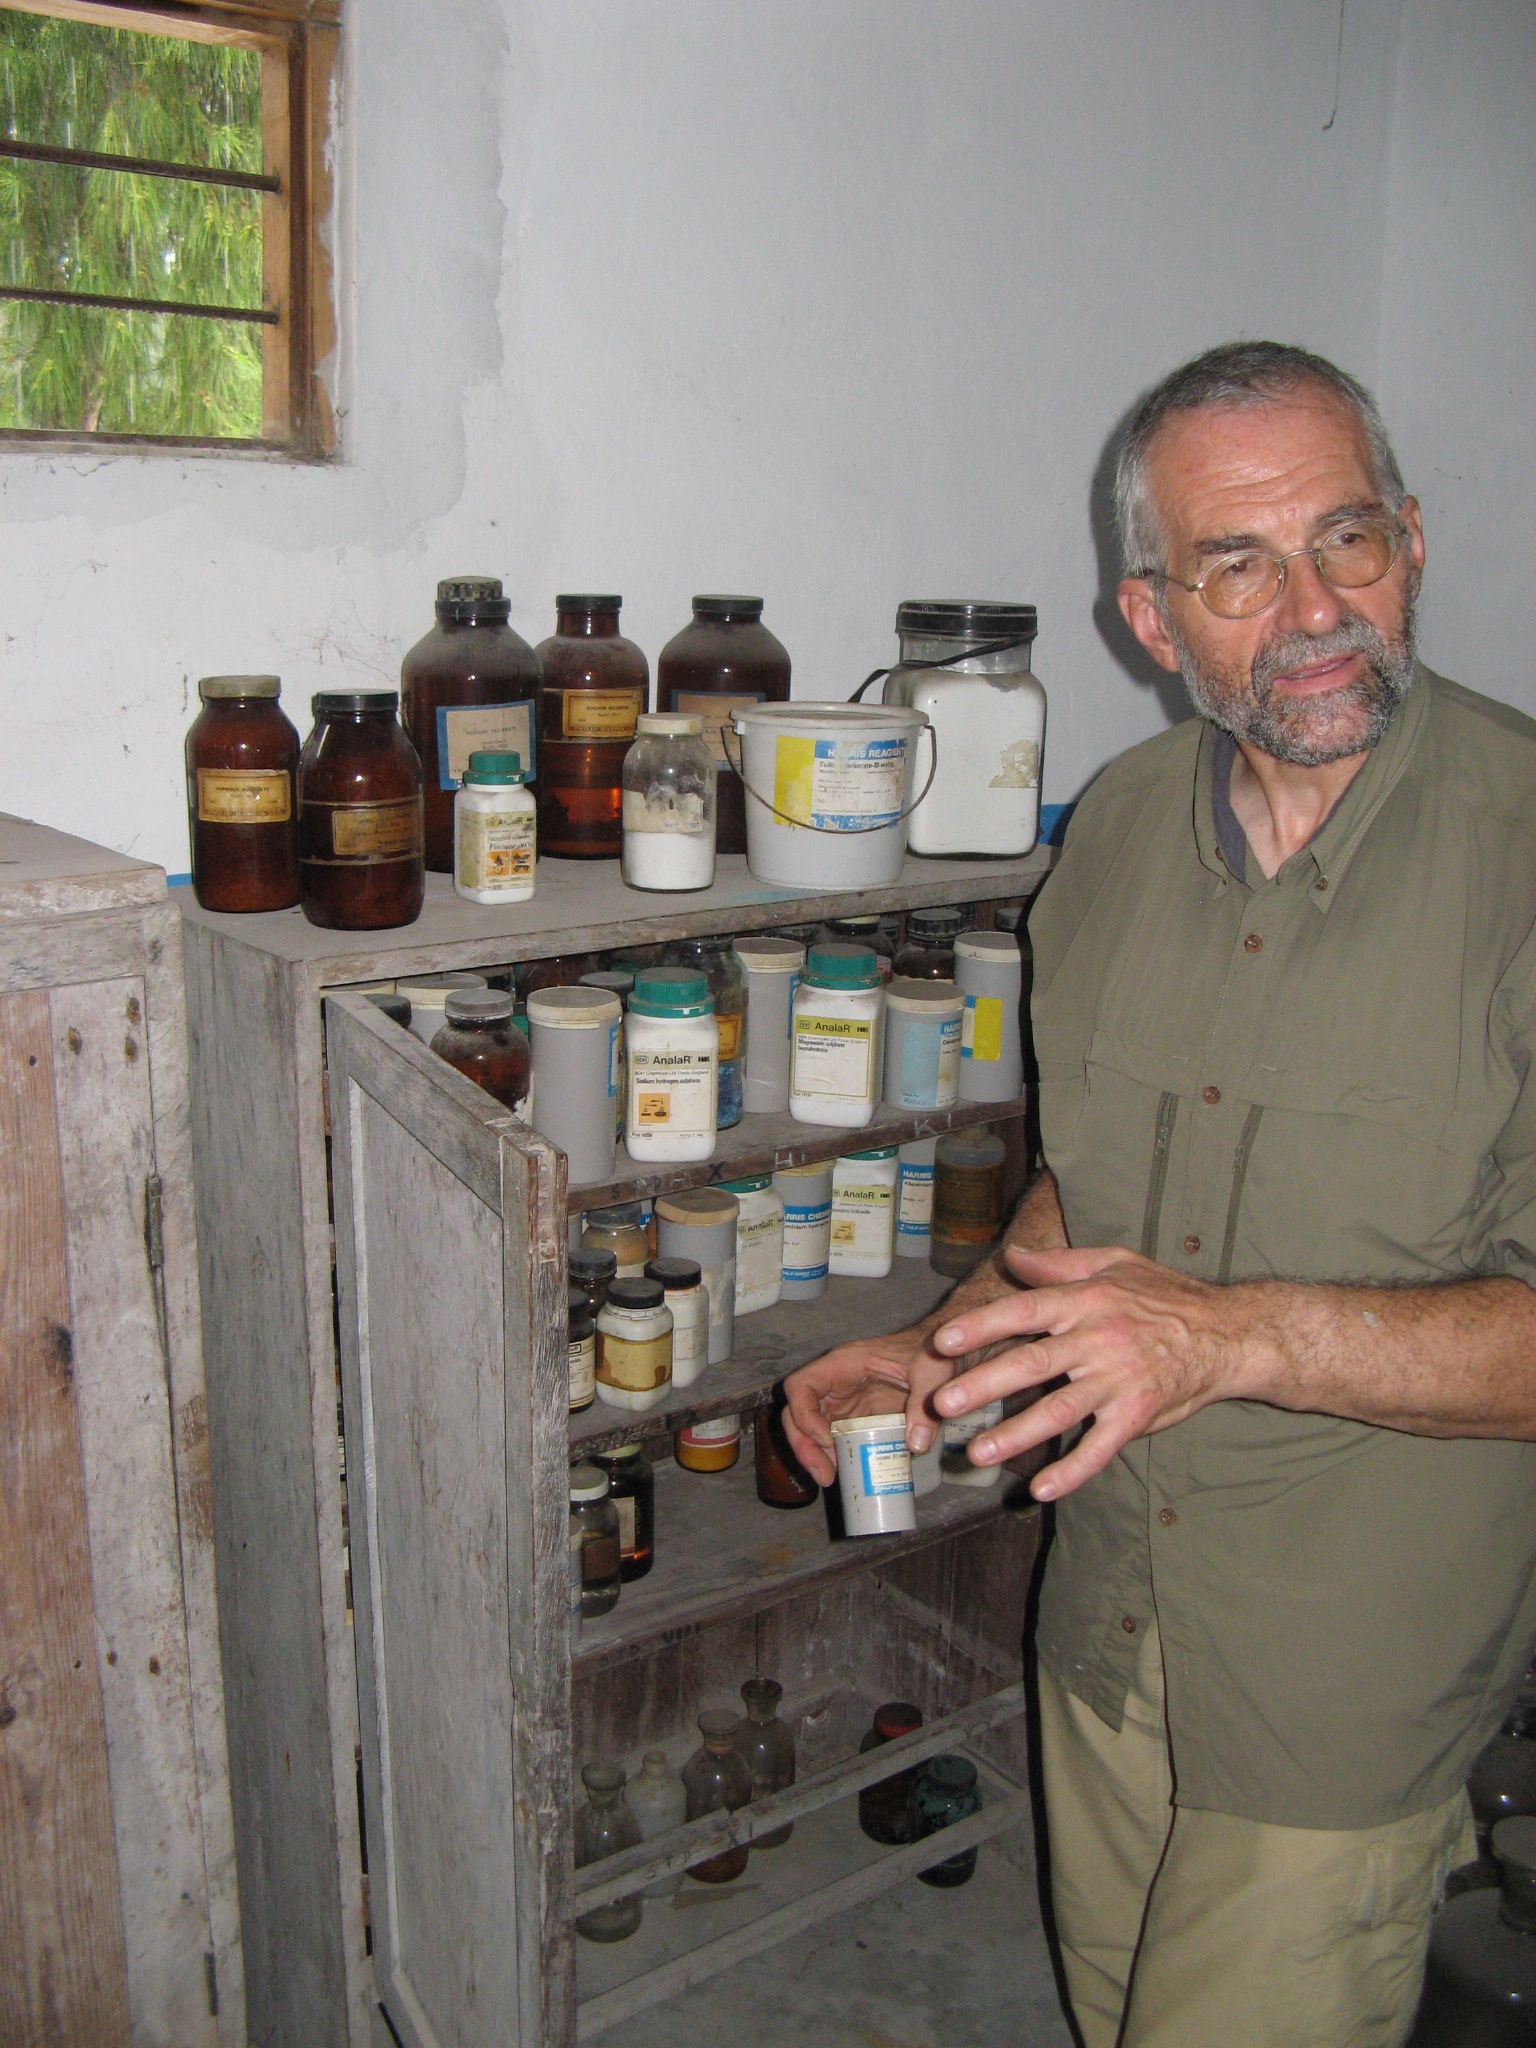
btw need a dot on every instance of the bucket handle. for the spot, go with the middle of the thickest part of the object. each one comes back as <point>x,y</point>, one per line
<point>737,768</point>
<point>982,647</point>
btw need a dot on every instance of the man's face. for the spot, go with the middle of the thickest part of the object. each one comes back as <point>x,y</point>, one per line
<point>1316,677</point>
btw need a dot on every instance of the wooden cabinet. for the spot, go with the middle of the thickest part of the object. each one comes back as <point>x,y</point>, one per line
<point>118,1911</point>
<point>407,1629</point>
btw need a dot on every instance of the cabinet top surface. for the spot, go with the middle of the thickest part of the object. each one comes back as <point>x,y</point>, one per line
<point>582,906</point>
<point>44,873</point>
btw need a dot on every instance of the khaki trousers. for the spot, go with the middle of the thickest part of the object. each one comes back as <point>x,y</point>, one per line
<point>1226,1931</point>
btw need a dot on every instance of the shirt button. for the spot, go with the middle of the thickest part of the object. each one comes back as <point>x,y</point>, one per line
<point>1210,1095</point>
<point>1253,943</point>
<point>1191,1245</point>
<point>1128,1625</point>
<point>1167,1517</point>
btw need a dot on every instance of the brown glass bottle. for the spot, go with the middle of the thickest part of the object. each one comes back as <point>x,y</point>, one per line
<point>470,685</point>
<point>885,1808</point>
<point>360,853</point>
<point>782,1482</point>
<point>478,1038</point>
<point>595,685</point>
<point>242,797</point>
<point>725,658</point>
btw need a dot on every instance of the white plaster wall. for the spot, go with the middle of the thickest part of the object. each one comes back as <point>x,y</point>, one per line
<point>832,299</point>
<point>1458,327</point>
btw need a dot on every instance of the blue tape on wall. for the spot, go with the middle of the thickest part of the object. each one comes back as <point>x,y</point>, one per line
<point>1053,822</point>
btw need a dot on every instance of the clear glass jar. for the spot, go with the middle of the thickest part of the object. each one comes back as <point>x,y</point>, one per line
<point>604,1826</point>
<point>713,955</point>
<point>967,1200</point>
<point>361,865</point>
<point>242,796</point>
<point>967,667</point>
<point>595,1519</point>
<point>669,805</point>
<point>618,1230</point>
<point>929,951</point>
<point>478,1039</point>
<point>767,1749</point>
<point>715,1777</point>
<point>632,1489</point>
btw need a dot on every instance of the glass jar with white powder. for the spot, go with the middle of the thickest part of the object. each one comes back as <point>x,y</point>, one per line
<point>669,804</point>
<point>759,1242</point>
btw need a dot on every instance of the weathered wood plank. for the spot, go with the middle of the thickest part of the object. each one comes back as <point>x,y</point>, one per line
<point>44,873</point>
<point>63,1961</point>
<point>52,954</point>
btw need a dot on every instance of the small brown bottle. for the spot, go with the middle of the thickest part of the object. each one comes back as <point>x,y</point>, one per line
<point>725,658</point>
<point>595,685</point>
<point>242,797</point>
<point>360,848</point>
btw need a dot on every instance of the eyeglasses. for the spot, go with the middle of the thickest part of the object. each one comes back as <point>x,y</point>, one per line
<point>1248,581</point>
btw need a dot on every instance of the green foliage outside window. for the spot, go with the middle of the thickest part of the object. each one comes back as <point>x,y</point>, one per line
<point>124,93</point>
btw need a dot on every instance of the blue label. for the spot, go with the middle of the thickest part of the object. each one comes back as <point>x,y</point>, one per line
<point>885,1468</point>
<point>806,1272</point>
<point>923,1045</point>
<point>867,774</point>
<point>613,1058</point>
<point>789,1007</point>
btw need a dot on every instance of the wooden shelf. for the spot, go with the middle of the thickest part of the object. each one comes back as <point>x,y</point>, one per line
<point>721,1553</point>
<point>769,1344</point>
<point>765,1144</point>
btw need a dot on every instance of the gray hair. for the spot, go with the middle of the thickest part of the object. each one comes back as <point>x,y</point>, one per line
<point>1239,373</point>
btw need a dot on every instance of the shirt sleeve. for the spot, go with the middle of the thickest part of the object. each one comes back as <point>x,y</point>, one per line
<point>1501,1232</point>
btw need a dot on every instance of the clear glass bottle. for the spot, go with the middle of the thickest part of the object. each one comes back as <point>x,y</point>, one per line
<point>595,685</point>
<point>946,1791</point>
<point>604,1826</point>
<point>242,797</point>
<point>715,1777</point>
<point>713,955</point>
<point>596,1520</point>
<point>669,805</point>
<point>724,659</point>
<point>929,951</point>
<point>659,1801</point>
<point>618,1230</point>
<point>632,1489</point>
<point>967,1200</point>
<point>767,1749</point>
<point>885,1808</point>
<point>478,1039</point>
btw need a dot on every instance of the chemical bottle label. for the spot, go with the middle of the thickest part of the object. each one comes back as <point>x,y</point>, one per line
<point>832,1056</point>
<point>626,1509</point>
<point>930,1063</point>
<point>600,714</point>
<point>370,833</point>
<point>465,729</point>
<point>582,1356</point>
<point>982,1036</point>
<point>729,1029</point>
<point>259,796</point>
<point>861,1221</point>
<point>839,785</point>
<point>672,1091</point>
<point>637,1367</point>
<point>716,714</point>
<point>807,1233</point>
<point>496,849</point>
<point>914,1205</point>
<point>885,1468</point>
<point>690,1341</point>
<point>759,1255</point>
<point>725,1429</point>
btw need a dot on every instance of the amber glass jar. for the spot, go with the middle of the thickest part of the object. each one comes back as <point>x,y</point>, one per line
<point>595,684</point>
<point>469,686</point>
<point>782,1481</point>
<point>726,658</point>
<point>360,856</point>
<point>242,797</point>
<point>885,1808</point>
<point>477,1037</point>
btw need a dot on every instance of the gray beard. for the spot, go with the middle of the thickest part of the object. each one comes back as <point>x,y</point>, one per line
<point>1316,730</point>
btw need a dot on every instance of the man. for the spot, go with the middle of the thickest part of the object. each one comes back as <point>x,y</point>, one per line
<point>1279,1272</point>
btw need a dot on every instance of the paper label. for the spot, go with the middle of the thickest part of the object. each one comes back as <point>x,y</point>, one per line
<point>465,729</point>
<point>807,1233</point>
<point>885,1468</point>
<point>961,1428</point>
<point>725,1429</point>
<point>626,1510</point>
<point>838,785</point>
<point>729,1029</point>
<point>690,1340</point>
<point>582,1357</point>
<point>930,1062</point>
<point>257,796</point>
<point>832,1056</point>
<point>716,714</point>
<point>496,848</point>
<point>914,1209</point>
<point>600,714</point>
<point>638,1367</point>
<point>376,832</point>
<point>672,1091</point>
<point>759,1254</point>
<point>861,1221</point>
<point>982,1038</point>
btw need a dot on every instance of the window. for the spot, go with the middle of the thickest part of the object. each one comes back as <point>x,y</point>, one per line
<point>162,187</point>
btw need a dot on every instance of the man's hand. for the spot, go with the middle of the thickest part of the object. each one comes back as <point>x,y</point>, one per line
<point>877,1376</point>
<point>1140,1346</point>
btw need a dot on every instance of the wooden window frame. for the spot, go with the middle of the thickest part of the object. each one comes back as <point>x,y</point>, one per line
<point>300,46</point>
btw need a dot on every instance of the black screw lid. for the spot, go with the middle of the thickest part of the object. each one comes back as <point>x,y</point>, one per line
<point>472,601</point>
<point>593,1265</point>
<point>674,1273</point>
<point>581,603</point>
<point>634,1294</point>
<point>959,619</point>
<point>354,703</point>
<point>728,608</point>
<point>935,924</point>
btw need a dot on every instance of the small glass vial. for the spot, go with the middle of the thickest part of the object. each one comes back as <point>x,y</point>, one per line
<point>946,1791</point>
<point>603,1827</point>
<point>361,865</point>
<point>837,1059</point>
<point>494,831</point>
<point>477,1037</point>
<point>863,1214</point>
<point>714,957</point>
<point>595,687</point>
<point>929,952</point>
<point>885,1808</point>
<point>715,1777</point>
<point>635,1368</point>
<point>581,1350</point>
<point>669,805</point>
<point>632,1489</point>
<point>782,1482</point>
<point>767,1749</point>
<point>682,1283</point>
<point>759,1243</point>
<point>596,1520</point>
<point>709,1446</point>
<point>242,797</point>
<point>673,1054</point>
<point>967,1200</point>
<point>618,1230</point>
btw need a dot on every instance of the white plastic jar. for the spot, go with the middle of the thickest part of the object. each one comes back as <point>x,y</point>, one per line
<point>669,804</point>
<point>574,1034</point>
<point>837,1051</point>
<point>914,1198</point>
<point>495,831</point>
<point>683,1289</point>
<point>806,1192</point>
<point>955,1467</point>
<point>700,1224</point>
<point>672,1051</point>
<point>759,1242</point>
<point>990,969</point>
<point>923,1021</point>
<point>634,1362</point>
<point>864,1214</point>
<point>428,995</point>
<point>772,967</point>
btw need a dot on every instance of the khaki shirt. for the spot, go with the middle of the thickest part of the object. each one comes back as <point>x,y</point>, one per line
<point>1319,1077</point>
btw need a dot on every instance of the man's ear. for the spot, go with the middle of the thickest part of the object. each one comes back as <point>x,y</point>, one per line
<point>1138,608</point>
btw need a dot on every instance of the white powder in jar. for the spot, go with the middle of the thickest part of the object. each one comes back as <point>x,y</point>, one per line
<point>668,842</point>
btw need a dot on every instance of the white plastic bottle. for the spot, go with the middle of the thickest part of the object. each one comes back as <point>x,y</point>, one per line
<point>759,1243</point>
<point>837,1057</point>
<point>495,831</point>
<point>863,1214</point>
<point>914,1198</point>
<point>672,1050</point>
<point>807,1196</point>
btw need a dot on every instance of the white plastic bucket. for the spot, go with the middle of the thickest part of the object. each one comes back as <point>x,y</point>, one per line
<point>829,790</point>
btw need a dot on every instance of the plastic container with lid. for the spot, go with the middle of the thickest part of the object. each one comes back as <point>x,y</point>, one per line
<point>242,797</point>
<point>632,1489</point>
<point>634,1368</point>
<point>806,1192</point>
<point>772,966</point>
<point>428,995</point>
<point>837,1051</point>
<point>581,1349</point>
<point>829,790</point>
<point>470,683</point>
<point>700,1224</point>
<point>477,1037</point>
<point>673,1053</point>
<point>759,1242</point>
<point>863,931</point>
<point>967,1199</point>
<point>574,1033</point>
<point>914,1198</point>
<point>885,1808</point>
<point>863,1214</point>
<point>990,971</point>
<point>595,1520</point>
<point>618,1229</point>
<point>966,666</point>
<point>923,1034</point>
<point>595,684</point>
<point>494,831</point>
<point>928,953</point>
<point>712,1446</point>
<point>682,1284</point>
<point>361,866</point>
<point>669,805</point>
<point>726,659</point>
<point>874,1474</point>
<point>711,955</point>
<point>619,981</point>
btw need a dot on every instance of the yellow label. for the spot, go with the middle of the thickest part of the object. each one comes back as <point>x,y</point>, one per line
<point>254,796</point>
<point>377,831</point>
<point>637,1367</point>
<point>600,714</point>
<point>844,1230</point>
<point>729,1029</point>
<point>794,776</point>
<point>832,1056</point>
<point>495,848</point>
<point>982,1032</point>
<point>651,1110</point>
<point>716,713</point>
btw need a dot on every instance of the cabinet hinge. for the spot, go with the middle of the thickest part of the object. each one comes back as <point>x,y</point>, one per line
<point>154,1229</point>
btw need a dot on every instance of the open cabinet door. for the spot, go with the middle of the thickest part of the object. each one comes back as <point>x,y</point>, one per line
<point>450,1266</point>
